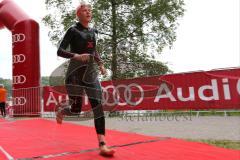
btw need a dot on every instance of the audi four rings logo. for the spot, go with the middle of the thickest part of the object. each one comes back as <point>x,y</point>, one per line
<point>20,37</point>
<point>19,101</point>
<point>19,58</point>
<point>127,94</point>
<point>19,79</point>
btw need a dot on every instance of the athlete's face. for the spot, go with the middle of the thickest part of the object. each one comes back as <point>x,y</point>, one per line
<point>85,14</point>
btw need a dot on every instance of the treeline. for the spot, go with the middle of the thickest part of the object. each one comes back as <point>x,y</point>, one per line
<point>8,85</point>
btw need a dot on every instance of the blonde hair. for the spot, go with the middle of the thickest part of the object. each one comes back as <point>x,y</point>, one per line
<point>82,4</point>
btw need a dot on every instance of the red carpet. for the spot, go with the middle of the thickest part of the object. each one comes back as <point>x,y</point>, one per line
<point>39,138</point>
<point>2,120</point>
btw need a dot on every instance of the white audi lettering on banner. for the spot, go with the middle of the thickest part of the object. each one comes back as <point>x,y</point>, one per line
<point>128,96</point>
<point>213,88</point>
<point>19,101</point>
<point>165,92</point>
<point>19,58</point>
<point>19,79</point>
<point>226,89</point>
<point>19,37</point>
<point>238,86</point>
<point>53,100</point>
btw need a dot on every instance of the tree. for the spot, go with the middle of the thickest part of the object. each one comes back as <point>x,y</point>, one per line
<point>45,81</point>
<point>131,32</point>
<point>7,85</point>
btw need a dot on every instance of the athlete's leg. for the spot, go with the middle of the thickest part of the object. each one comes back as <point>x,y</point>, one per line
<point>94,93</point>
<point>1,108</point>
<point>4,109</point>
<point>76,104</point>
<point>74,90</point>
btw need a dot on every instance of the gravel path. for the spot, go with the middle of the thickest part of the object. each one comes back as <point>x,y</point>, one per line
<point>204,127</point>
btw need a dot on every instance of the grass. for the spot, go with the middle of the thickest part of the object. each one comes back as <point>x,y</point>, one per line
<point>178,112</point>
<point>220,143</point>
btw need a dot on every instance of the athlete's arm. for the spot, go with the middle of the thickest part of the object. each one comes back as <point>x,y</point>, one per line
<point>64,44</point>
<point>99,61</point>
<point>102,69</point>
<point>97,58</point>
<point>81,57</point>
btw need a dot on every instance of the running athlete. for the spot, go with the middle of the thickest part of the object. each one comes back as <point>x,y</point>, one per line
<point>79,45</point>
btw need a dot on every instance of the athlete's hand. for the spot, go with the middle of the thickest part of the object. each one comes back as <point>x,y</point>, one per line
<point>82,57</point>
<point>102,69</point>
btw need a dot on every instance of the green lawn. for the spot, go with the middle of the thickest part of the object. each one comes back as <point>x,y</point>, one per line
<point>220,143</point>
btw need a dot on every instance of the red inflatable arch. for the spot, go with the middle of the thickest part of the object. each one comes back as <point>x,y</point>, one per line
<point>25,55</point>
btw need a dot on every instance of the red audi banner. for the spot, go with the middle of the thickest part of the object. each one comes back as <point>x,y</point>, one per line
<point>217,89</point>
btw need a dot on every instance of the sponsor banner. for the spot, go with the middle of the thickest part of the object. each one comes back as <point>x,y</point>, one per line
<point>218,89</point>
<point>26,68</point>
<point>25,57</point>
<point>26,101</point>
<point>52,97</point>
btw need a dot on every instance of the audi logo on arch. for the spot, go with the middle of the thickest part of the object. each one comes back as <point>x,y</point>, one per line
<point>19,101</point>
<point>19,79</point>
<point>19,58</point>
<point>19,37</point>
<point>127,98</point>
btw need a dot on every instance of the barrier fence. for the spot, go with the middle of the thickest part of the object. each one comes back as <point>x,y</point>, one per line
<point>211,90</point>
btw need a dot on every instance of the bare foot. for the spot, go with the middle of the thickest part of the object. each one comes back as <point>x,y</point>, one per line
<point>105,151</point>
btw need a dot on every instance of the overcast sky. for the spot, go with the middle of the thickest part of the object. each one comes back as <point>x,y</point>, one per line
<point>208,37</point>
